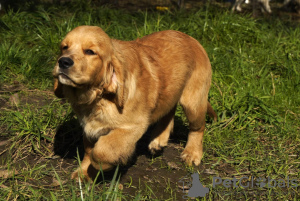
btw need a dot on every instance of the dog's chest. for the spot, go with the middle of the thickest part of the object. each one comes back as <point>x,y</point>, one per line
<point>94,129</point>
<point>98,120</point>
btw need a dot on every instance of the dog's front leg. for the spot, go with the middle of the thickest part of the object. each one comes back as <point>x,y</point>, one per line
<point>86,171</point>
<point>115,148</point>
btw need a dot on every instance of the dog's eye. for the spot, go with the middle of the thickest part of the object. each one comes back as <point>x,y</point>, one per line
<point>89,52</point>
<point>65,47</point>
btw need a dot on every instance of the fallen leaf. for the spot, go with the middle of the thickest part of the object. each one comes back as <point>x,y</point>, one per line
<point>3,186</point>
<point>151,169</point>
<point>184,187</point>
<point>8,173</point>
<point>55,182</point>
<point>209,171</point>
<point>14,100</point>
<point>4,142</point>
<point>173,165</point>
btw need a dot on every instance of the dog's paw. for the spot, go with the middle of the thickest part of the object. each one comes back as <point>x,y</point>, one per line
<point>82,175</point>
<point>156,146</point>
<point>191,156</point>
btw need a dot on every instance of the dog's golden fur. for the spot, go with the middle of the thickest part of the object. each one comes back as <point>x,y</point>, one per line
<point>119,88</point>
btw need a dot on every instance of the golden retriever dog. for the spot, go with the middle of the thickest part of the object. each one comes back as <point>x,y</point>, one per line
<point>118,88</point>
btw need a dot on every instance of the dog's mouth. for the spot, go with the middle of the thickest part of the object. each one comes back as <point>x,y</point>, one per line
<point>64,76</point>
<point>65,79</point>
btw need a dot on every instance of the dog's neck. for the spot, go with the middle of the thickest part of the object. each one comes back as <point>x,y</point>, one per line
<point>82,96</point>
<point>87,98</point>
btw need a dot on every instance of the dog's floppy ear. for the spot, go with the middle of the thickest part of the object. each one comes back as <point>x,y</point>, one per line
<point>114,79</point>
<point>58,88</point>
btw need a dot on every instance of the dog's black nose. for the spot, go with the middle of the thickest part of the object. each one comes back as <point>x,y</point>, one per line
<point>65,62</point>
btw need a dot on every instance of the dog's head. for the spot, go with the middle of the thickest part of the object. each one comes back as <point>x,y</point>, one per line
<point>88,61</point>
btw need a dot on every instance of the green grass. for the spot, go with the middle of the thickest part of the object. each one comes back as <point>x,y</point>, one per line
<point>255,91</point>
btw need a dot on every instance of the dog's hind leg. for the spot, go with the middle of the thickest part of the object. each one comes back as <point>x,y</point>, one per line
<point>194,102</point>
<point>193,151</point>
<point>161,133</point>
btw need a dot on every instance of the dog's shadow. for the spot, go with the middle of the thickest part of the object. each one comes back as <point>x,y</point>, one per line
<point>68,143</point>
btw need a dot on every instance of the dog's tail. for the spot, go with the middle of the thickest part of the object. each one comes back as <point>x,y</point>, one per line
<point>211,113</point>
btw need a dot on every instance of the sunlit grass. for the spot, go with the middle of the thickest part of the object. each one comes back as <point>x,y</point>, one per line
<point>254,90</point>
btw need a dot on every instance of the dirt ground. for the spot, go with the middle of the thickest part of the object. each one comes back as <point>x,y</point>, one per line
<point>159,177</point>
<point>161,173</point>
